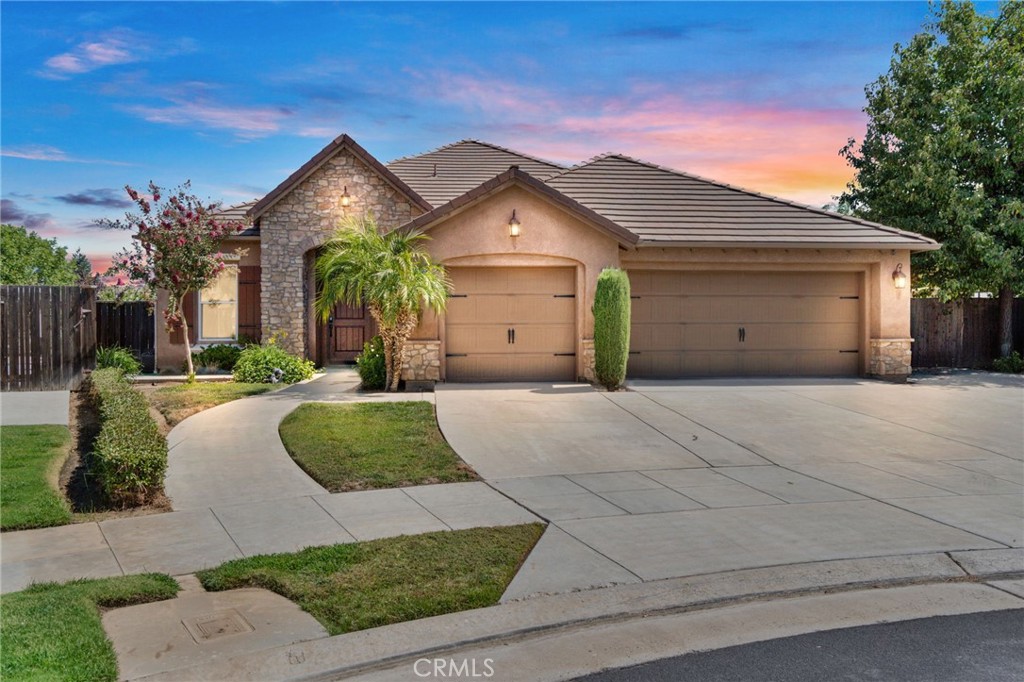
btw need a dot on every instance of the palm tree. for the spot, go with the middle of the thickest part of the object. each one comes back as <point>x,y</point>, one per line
<point>390,273</point>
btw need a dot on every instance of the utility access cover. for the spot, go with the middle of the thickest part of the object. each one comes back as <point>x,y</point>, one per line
<point>217,624</point>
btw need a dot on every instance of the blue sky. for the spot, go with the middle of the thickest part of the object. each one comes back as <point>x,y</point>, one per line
<point>235,96</point>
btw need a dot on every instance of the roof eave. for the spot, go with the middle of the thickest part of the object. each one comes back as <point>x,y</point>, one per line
<point>916,246</point>
<point>334,147</point>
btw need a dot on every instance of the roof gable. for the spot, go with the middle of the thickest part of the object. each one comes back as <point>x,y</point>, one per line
<point>447,172</point>
<point>665,206</point>
<point>339,144</point>
<point>516,176</point>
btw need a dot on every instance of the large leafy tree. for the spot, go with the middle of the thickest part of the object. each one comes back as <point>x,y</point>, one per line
<point>26,259</point>
<point>944,153</point>
<point>388,272</point>
<point>176,247</point>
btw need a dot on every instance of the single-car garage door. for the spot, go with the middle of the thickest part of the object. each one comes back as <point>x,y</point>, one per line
<point>744,324</point>
<point>511,324</point>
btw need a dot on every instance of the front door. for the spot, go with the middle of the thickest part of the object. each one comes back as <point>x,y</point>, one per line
<point>348,328</point>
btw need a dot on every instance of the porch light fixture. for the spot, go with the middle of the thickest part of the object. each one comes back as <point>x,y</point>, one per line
<point>514,225</point>
<point>346,198</point>
<point>899,278</point>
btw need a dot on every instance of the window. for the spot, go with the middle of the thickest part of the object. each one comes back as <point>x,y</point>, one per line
<point>218,305</point>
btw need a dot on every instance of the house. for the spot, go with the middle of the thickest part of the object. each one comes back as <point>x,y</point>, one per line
<point>725,281</point>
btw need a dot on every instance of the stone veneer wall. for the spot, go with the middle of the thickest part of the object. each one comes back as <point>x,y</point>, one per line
<point>302,220</point>
<point>890,358</point>
<point>589,374</point>
<point>422,360</point>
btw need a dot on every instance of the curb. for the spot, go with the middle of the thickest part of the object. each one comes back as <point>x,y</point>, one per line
<point>369,650</point>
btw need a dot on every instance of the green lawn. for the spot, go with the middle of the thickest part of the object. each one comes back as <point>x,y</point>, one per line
<point>368,584</point>
<point>53,631</point>
<point>183,400</point>
<point>31,457</point>
<point>363,446</point>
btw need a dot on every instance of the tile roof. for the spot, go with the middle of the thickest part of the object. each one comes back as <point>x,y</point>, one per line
<point>667,207</point>
<point>450,171</point>
<point>239,212</point>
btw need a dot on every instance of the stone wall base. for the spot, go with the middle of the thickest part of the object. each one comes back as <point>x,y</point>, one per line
<point>890,359</point>
<point>422,360</point>
<point>588,361</point>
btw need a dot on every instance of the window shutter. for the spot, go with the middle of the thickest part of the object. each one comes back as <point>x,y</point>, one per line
<point>249,301</point>
<point>188,309</point>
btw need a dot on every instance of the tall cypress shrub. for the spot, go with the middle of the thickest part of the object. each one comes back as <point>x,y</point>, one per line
<point>611,328</point>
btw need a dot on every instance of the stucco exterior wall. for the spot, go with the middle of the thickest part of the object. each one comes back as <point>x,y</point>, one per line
<point>478,236</point>
<point>303,220</point>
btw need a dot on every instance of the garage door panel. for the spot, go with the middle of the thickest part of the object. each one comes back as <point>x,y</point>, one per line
<point>546,338</point>
<point>541,309</point>
<point>480,367</point>
<point>479,309</point>
<point>794,323</point>
<point>542,367</point>
<point>478,338</point>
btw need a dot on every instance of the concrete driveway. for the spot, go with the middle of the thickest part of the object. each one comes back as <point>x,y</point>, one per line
<point>672,479</point>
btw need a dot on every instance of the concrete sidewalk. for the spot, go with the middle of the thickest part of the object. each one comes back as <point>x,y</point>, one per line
<point>25,408</point>
<point>183,542</point>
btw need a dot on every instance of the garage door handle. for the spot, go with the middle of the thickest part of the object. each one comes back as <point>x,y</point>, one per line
<point>508,335</point>
<point>743,334</point>
<point>513,336</point>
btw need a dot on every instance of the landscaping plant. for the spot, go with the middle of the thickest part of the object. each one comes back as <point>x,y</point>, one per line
<point>176,247</point>
<point>1012,364</point>
<point>218,356</point>
<point>371,365</point>
<point>118,358</point>
<point>271,364</point>
<point>611,327</point>
<point>390,273</point>
<point>130,454</point>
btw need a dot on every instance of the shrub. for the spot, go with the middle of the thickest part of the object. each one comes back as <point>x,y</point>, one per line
<point>118,358</point>
<point>219,356</point>
<point>611,327</point>
<point>370,364</point>
<point>271,364</point>
<point>130,453</point>
<point>1011,364</point>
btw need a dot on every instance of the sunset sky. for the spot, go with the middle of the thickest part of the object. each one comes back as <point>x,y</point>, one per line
<point>236,96</point>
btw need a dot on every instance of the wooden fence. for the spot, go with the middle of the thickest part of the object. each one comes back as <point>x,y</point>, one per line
<point>935,327</point>
<point>47,337</point>
<point>129,325</point>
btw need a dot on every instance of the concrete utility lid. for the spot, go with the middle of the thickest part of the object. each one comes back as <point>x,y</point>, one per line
<point>203,627</point>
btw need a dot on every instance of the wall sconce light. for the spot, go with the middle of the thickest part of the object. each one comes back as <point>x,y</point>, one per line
<point>514,225</point>
<point>899,278</point>
<point>346,198</point>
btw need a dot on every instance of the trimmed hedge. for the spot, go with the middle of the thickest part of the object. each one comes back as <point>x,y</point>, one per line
<point>130,453</point>
<point>271,364</point>
<point>370,364</point>
<point>218,356</point>
<point>611,327</point>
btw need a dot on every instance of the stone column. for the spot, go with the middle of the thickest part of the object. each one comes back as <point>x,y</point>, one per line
<point>890,359</point>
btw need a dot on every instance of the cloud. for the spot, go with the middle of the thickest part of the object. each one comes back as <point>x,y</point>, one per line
<point>106,198</point>
<point>11,213</point>
<point>111,48</point>
<point>244,122</point>
<point>42,152</point>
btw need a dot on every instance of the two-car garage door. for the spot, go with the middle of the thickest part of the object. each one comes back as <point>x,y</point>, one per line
<point>744,324</point>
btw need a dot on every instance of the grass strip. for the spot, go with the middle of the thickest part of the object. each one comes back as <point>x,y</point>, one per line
<point>179,401</point>
<point>366,446</point>
<point>368,584</point>
<point>31,457</point>
<point>53,631</point>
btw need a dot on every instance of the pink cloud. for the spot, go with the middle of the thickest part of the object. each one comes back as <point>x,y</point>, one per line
<point>93,54</point>
<point>43,152</point>
<point>245,122</point>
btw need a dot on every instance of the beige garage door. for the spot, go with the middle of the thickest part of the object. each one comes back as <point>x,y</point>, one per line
<point>744,324</point>
<point>511,324</point>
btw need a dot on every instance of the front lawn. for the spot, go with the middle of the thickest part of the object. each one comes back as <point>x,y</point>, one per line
<point>363,446</point>
<point>54,632</point>
<point>31,457</point>
<point>369,584</point>
<point>178,401</point>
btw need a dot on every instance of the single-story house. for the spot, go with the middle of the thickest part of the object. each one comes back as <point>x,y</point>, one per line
<point>725,281</point>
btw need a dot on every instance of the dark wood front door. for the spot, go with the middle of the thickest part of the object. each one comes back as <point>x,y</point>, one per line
<point>347,330</point>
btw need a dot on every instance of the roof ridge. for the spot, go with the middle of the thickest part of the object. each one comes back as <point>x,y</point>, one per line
<point>581,164</point>
<point>482,143</point>
<point>769,197</point>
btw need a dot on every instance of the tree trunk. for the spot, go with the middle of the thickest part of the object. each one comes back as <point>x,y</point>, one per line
<point>404,328</point>
<point>191,373</point>
<point>1005,321</point>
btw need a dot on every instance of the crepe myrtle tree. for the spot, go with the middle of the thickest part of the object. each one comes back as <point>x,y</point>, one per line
<point>176,247</point>
<point>388,272</point>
